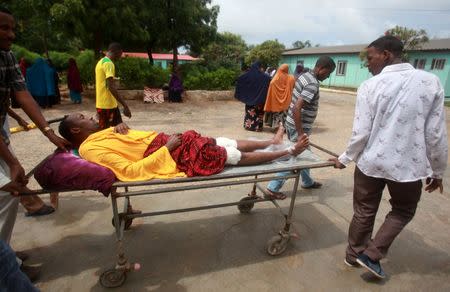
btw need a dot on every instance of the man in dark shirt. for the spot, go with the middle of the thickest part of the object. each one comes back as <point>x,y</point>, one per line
<point>12,174</point>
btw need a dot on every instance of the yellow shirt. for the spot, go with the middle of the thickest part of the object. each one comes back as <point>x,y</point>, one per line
<point>123,154</point>
<point>103,70</point>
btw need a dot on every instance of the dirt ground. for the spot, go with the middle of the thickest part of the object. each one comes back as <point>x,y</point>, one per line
<point>221,249</point>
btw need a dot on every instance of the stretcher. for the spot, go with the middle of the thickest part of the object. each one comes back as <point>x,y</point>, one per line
<point>230,176</point>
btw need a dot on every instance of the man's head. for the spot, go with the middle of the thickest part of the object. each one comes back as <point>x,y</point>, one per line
<point>7,25</point>
<point>382,52</point>
<point>324,67</point>
<point>115,51</point>
<point>75,128</point>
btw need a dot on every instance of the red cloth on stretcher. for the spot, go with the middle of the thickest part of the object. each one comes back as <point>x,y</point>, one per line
<point>196,156</point>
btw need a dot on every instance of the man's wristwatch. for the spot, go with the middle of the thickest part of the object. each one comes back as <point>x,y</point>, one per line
<point>46,130</point>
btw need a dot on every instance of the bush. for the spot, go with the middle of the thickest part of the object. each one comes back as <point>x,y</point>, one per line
<point>86,64</point>
<point>135,73</point>
<point>21,52</point>
<point>221,79</point>
<point>60,60</point>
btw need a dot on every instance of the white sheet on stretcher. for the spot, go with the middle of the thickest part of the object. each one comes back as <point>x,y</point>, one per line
<point>306,158</point>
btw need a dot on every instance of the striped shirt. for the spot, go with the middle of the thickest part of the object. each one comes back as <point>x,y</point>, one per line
<point>10,79</point>
<point>306,87</point>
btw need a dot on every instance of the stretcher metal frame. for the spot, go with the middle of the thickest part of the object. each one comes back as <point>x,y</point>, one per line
<point>240,175</point>
<point>115,277</point>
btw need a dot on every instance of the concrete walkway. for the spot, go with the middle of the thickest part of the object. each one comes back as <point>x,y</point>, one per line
<point>222,250</point>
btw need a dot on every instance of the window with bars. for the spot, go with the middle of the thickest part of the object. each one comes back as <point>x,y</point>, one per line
<point>420,63</point>
<point>437,64</point>
<point>341,68</point>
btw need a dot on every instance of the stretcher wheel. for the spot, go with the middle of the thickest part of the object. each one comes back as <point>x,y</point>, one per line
<point>128,222</point>
<point>277,245</point>
<point>113,278</point>
<point>246,207</point>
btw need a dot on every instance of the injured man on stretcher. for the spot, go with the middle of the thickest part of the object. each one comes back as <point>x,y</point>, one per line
<point>142,155</point>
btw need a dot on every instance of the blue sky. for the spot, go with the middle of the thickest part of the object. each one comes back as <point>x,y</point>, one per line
<point>330,22</point>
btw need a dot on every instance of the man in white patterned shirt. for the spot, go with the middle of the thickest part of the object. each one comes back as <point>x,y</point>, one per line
<point>399,138</point>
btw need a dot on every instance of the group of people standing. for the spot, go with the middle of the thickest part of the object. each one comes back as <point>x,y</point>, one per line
<point>43,80</point>
<point>266,95</point>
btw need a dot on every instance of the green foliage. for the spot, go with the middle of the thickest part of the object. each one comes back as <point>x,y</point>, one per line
<point>269,53</point>
<point>60,59</point>
<point>21,52</point>
<point>135,73</point>
<point>228,51</point>
<point>220,79</point>
<point>412,40</point>
<point>86,64</point>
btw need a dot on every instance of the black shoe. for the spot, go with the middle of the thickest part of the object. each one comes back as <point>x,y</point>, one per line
<point>32,273</point>
<point>315,185</point>
<point>351,263</point>
<point>373,267</point>
<point>44,210</point>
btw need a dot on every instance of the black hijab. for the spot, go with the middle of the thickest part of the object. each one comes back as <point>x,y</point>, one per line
<point>252,86</point>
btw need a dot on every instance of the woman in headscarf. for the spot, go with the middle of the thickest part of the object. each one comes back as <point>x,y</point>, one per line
<point>41,83</point>
<point>175,86</point>
<point>55,99</point>
<point>23,64</point>
<point>251,89</point>
<point>299,70</point>
<point>279,96</point>
<point>74,81</point>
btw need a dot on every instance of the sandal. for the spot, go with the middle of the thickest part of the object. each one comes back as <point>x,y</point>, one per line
<point>274,195</point>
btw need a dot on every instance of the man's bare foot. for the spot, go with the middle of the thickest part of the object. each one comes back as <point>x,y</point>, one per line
<point>301,145</point>
<point>54,200</point>
<point>278,138</point>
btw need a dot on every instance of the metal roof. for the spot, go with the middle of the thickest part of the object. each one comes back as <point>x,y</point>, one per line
<point>431,45</point>
<point>157,56</point>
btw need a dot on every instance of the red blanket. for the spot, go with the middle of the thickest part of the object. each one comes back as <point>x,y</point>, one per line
<point>196,156</point>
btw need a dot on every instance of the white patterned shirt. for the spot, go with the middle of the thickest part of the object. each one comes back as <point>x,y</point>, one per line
<point>399,129</point>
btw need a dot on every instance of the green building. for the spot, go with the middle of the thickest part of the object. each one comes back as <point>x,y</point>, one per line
<point>433,56</point>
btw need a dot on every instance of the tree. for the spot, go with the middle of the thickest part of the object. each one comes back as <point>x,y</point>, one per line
<point>228,50</point>
<point>99,22</point>
<point>192,23</point>
<point>269,53</point>
<point>37,29</point>
<point>412,40</point>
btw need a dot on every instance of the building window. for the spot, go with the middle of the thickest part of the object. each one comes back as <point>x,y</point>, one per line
<point>420,63</point>
<point>437,64</point>
<point>341,68</point>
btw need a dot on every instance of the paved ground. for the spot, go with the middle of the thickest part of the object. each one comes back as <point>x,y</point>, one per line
<point>221,249</point>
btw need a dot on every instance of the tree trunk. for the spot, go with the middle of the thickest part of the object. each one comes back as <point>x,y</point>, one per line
<point>97,44</point>
<point>150,57</point>
<point>175,57</point>
<point>45,46</point>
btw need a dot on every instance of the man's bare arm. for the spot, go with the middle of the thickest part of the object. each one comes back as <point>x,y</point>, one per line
<point>297,114</point>
<point>18,118</point>
<point>112,87</point>
<point>31,108</point>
